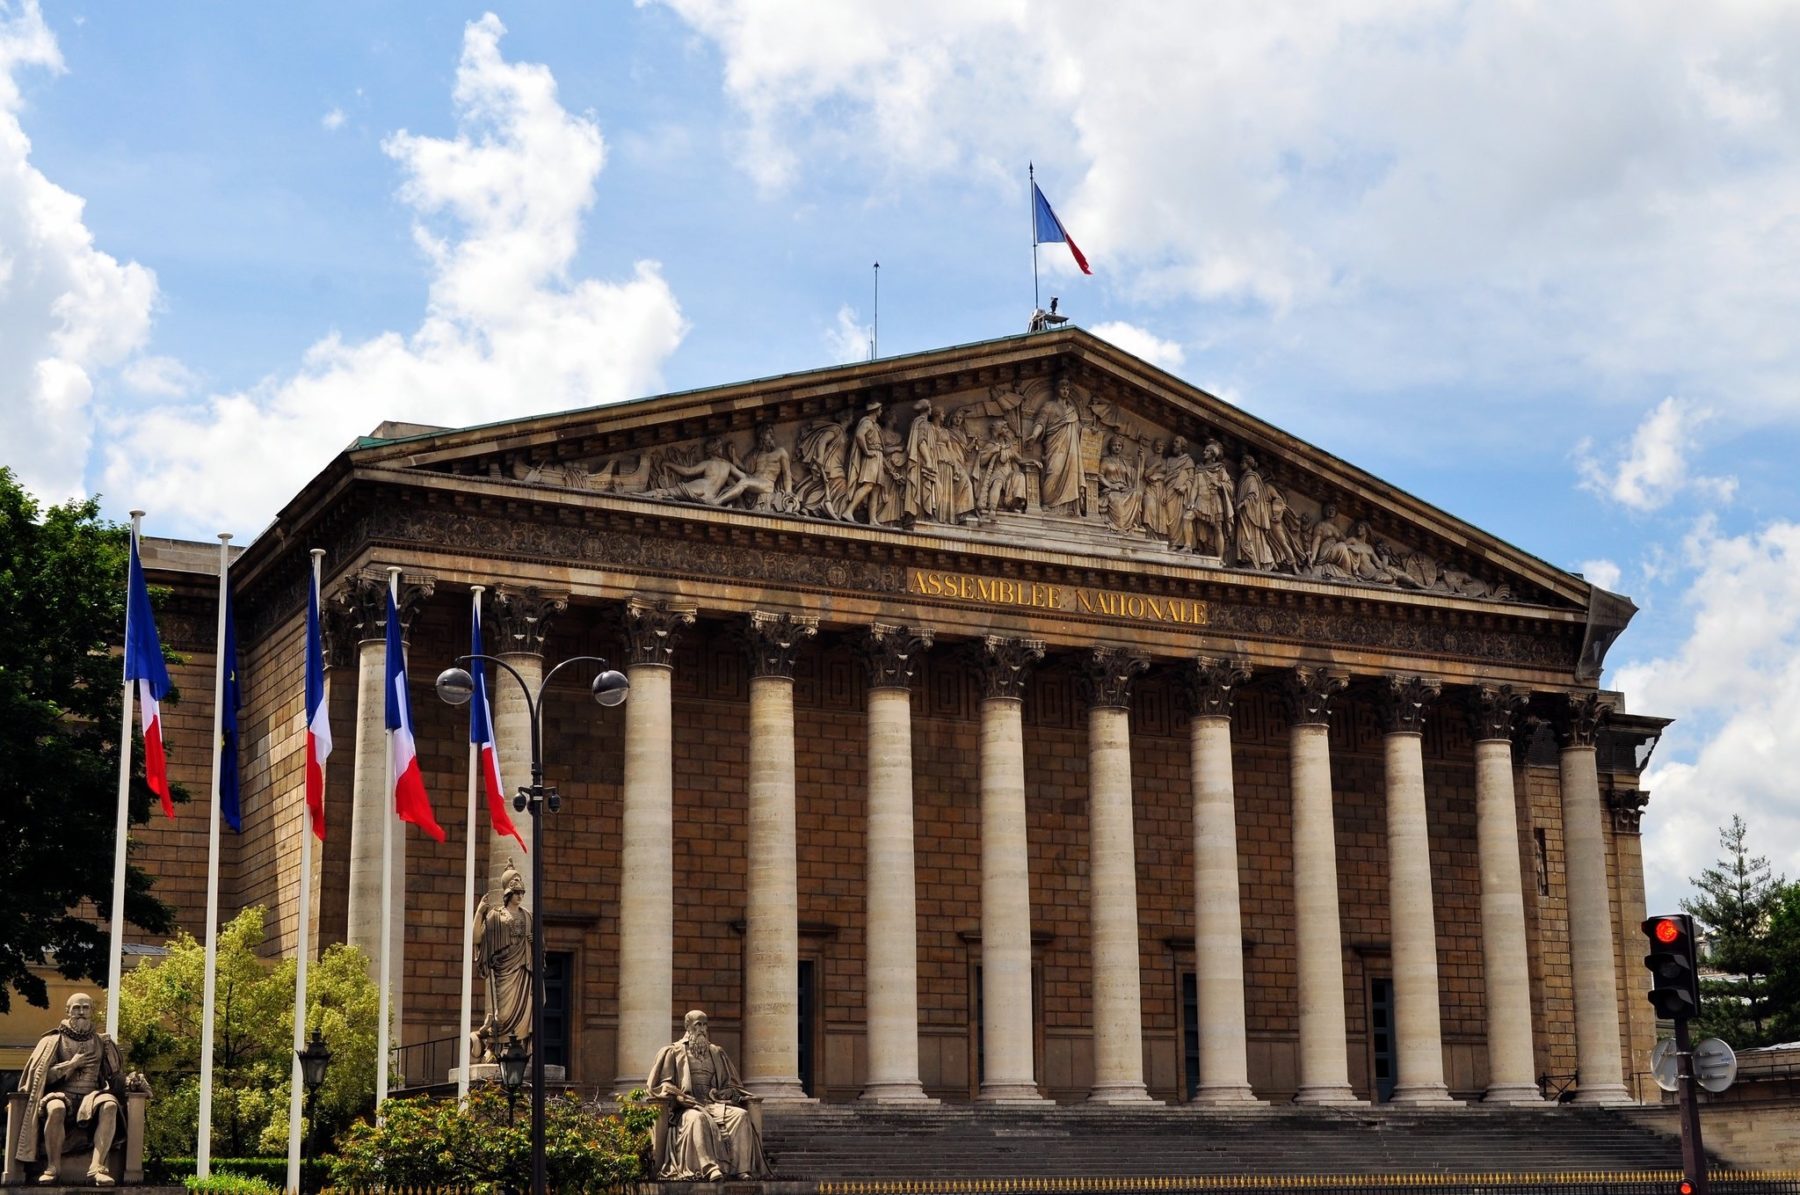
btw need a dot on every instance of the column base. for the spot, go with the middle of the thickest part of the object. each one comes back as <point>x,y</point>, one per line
<point>1328,1093</point>
<point>912,1094</point>
<point>1522,1095</point>
<point>779,1091</point>
<point>1611,1095</point>
<point>1120,1093</point>
<point>1226,1093</point>
<point>1429,1093</point>
<point>1012,1093</point>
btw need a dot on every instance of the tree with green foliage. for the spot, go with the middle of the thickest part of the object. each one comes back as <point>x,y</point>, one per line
<point>1784,966</point>
<point>62,598</point>
<point>1737,898</point>
<point>253,1040</point>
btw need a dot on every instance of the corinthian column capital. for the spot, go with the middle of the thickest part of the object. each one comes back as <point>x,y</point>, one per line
<point>773,640</point>
<point>1493,711</point>
<point>1106,676</point>
<point>362,601</point>
<point>522,617</point>
<point>651,628</point>
<point>1306,693</point>
<point>1205,688</point>
<point>1576,718</point>
<point>891,653</point>
<point>1402,703</point>
<point>1004,664</point>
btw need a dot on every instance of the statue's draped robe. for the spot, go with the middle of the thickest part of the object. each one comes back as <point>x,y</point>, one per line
<point>715,1133</point>
<point>503,946</point>
<point>1060,424</point>
<point>1253,542</point>
<point>34,1081</point>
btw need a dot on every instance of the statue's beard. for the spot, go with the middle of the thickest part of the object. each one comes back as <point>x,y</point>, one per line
<point>80,1028</point>
<point>697,1038</point>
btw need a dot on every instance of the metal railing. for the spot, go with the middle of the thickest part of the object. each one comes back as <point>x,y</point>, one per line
<point>421,1065</point>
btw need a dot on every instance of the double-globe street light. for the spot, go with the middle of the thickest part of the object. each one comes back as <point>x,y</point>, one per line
<point>610,688</point>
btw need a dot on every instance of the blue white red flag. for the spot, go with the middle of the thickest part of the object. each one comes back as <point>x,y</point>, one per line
<point>481,734</point>
<point>144,664</point>
<point>410,801</point>
<point>230,803</point>
<point>1047,228</point>
<point>318,717</point>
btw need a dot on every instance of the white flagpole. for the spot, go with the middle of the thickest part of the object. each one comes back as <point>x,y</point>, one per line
<point>303,953</point>
<point>387,892</point>
<point>203,1142</point>
<point>468,971</point>
<point>115,960</point>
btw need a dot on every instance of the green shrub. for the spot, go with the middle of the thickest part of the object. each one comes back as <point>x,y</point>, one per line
<point>168,1172</point>
<point>233,1184</point>
<point>439,1143</point>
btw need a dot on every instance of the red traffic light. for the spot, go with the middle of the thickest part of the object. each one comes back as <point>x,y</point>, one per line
<point>1686,1188</point>
<point>1667,931</point>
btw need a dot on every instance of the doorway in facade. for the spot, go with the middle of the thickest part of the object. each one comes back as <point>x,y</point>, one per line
<point>1381,1037</point>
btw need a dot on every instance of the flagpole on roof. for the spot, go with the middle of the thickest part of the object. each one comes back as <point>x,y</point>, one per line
<point>468,969</point>
<point>387,882</point>
<point>115,959</point>
<point>210,986</point>
<point>1031,198</point>
<point>303,952</point>
<point>875,326</point>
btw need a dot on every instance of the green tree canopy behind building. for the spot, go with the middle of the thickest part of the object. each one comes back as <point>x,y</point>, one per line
<point>62,607</point>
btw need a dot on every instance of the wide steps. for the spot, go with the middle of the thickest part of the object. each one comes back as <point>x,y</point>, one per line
<point>836,1142</point>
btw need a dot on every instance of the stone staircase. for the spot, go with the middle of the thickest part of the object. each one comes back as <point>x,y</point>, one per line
<point>839,1142</point>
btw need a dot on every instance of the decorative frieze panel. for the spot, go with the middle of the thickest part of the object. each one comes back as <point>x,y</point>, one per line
<point>1041,459</point>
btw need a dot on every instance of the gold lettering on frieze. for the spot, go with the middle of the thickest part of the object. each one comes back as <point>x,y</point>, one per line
<point>999,592</point>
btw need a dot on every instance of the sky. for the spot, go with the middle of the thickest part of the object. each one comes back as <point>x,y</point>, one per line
<point>1538,264</point>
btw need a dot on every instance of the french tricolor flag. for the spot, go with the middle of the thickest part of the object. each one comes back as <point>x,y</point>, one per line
<point>318,719</point>
<point>144,664</point>
<point>481,734</point>
<point>410,801</point>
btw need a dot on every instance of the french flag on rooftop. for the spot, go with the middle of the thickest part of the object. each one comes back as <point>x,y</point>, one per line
<point>144,664</point>
<point>410,801</point>
<point>318,718</point>
<point>1046,228</point>
<point>481,734</point>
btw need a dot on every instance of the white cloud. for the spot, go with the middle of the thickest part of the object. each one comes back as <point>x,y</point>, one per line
<point>162,377</point>
<point>1141,343</point>
<point>847,340</point>
<point>1734,687</point>
<point>1654,468</point>
<point>499,214</point>
<point>1420,191</point>
<point>1603,573</point>
<point>68,310</point>
<point>333,120</point>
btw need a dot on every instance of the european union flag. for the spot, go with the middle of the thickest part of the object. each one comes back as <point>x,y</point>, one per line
<point>232,699</point>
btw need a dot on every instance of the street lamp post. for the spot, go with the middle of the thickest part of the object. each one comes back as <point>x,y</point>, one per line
<point>610,688</point>
<point>512,1058</point>
<point>313,1061</point>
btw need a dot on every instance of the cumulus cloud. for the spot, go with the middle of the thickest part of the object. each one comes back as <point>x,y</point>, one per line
<point>499,211</point>
<point>333,120</point>
<point>846,339</point>
<point>1421,192</point>
<point>1733,685</point>
<point>1653,469</point>
<point>69,310</point>
<point>1141,343</point>
<point>1603,573</point>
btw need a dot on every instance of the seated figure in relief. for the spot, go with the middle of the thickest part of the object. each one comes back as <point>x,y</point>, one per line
<point>74,1083</point>
<point>710,1135</point>
<point>1002,472</point>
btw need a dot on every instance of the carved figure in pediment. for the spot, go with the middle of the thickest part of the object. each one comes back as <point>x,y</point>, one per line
<point>705,481</point>
<point>923,448</point>
<point>1284,531</point>
<point>1255,548</point>
<point>1351,557</point>
<point>1156,490</point>
<point>1211,506</point>
<point>1057,430</point>
<point>1002,472</point>
<point>1121,487</point>
<point>956,463</point>
<point>767,477</point>
<point>893,455</point>
<point>824,450</point>
<point>867,470</point>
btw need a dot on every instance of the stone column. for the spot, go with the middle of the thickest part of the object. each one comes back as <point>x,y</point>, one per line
<point>1402,703</point>
<point>1218,920</point>
<point>1009,1068</point>
<point>772,928</point>
<point>891,941</point>
<point>363,603</point>
<point>1112,878</point>
<point>518,622</point>
<point>1512,1063</point>
<point>1324,1059</point>
<point>647,841</point>
<point>1599,1057</point>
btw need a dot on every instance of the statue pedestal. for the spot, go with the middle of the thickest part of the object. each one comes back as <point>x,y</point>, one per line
<point>489,1072</point>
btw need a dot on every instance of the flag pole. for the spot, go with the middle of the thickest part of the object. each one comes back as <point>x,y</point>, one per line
<point>468,971</point>
<point>875,326</point>
<point>387,897</point>
<point>210,986</point>
<point>303,954</point>
<point>1031,177</point>
<point>116,955</point>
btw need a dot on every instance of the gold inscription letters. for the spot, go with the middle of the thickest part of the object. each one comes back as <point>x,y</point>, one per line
<point>1038,595</point>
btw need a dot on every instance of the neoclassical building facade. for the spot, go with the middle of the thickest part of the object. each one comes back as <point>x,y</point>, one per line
<point>1009,722</point>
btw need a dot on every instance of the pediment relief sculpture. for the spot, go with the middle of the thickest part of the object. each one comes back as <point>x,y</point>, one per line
<point>1039,459</point>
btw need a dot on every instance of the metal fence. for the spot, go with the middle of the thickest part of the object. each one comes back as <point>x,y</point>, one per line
<point>1578,1183</point>
<point>422,1065</point>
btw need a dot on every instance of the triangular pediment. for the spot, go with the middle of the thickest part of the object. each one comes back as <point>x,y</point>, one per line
<point>1053,442</point>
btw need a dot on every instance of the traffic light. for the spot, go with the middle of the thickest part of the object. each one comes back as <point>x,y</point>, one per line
<point>1673,965</point>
